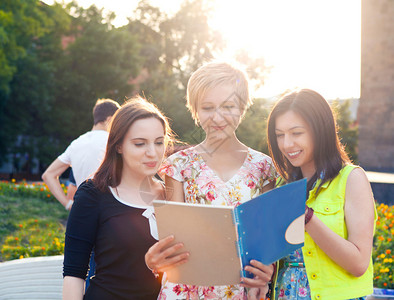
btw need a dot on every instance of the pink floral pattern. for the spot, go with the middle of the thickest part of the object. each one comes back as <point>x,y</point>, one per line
<point>201,185</point>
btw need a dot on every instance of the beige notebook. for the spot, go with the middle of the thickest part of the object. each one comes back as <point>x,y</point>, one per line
<point>210,237</point>
<point>223,240</point>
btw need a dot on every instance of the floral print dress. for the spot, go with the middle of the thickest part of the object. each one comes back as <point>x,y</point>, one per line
<point>202,186</point>
<point>293,282</point>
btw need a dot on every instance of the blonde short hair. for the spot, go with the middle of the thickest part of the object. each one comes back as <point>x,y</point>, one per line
<point>214,74</point>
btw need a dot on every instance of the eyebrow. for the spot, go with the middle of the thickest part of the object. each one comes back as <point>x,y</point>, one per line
<point>295,127</point>
<point>229,101</point>
<point>206,102</point>
<point>224,102</point>
<point>159,137</point>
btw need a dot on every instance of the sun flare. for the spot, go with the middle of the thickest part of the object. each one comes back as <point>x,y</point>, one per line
<point>307,43</point>
<point>313,44</point>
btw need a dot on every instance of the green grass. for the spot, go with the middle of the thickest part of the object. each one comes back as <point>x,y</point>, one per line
<point>30,225</point>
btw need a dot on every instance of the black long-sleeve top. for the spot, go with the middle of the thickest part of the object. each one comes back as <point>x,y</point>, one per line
<point>120,236</point>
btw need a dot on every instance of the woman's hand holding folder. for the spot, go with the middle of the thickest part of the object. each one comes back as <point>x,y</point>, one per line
<point>161,256</point>
<point>259,283</point>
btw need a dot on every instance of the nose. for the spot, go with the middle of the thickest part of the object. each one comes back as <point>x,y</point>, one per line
<point>288,141</point>
<point>150,150</point>
<point>217,116</point>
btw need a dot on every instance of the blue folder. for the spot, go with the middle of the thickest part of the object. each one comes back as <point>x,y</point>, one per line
<point>263,221</point>
<point>222,240</point>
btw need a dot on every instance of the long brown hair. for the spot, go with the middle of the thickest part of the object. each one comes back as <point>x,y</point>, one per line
<point>329,154</point>
<point>110,171</point>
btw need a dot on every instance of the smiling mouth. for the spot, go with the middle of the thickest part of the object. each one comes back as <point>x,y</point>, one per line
<point>293,154</point>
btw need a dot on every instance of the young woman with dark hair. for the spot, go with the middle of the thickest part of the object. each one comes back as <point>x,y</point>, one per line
<point>335,262</point>
<point>113,212</point>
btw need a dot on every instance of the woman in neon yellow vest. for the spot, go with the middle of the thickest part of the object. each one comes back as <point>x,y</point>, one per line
<point>335,262</point>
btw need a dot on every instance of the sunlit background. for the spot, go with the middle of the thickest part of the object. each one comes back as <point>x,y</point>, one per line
<point>306,43</point>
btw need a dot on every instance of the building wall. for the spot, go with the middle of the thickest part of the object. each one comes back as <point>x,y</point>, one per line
<point>376,109</point>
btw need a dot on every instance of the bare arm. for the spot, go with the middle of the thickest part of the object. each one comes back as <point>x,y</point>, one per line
<point>354,253</point>
<point>71,189</point>
<point>51,178</point>
<point>174,190</point>
<point>73,288</point>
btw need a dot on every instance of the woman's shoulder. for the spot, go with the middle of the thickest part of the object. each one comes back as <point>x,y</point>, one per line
<point>88,185</point>
<point>258,156</point>
<point>350,175</point>
<point>88,190</point>
<point>261,165</point>
<point>354,173</point>
<point>182,158</point>
<point>188,152</point>
<point>349,171</point>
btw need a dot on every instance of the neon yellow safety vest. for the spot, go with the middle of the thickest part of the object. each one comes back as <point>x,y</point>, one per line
<point>327,280</point>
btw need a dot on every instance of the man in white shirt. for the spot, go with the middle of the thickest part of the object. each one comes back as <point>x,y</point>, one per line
<point>84,154</point>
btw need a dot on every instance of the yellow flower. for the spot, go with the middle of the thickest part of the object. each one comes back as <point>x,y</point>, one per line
<point>382,256</point>
<point>229,293</point>
<point>20,257</point>
<point>13,180</point>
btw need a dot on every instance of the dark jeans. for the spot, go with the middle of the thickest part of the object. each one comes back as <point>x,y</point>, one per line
<point>92,269</point>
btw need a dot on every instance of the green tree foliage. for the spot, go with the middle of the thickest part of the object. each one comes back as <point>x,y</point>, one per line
<point>20,21</point>
<point>173,47</point>
<point>26,95</point>
<point>253,129</point>
<point>56,61</point>
<point>97,63</point>
<point>255,66</point>
<point>347,128</point>
<point>188,39</point>
<point>77,58</point>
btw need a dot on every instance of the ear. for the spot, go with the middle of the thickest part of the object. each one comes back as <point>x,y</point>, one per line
<point>119,149</point>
